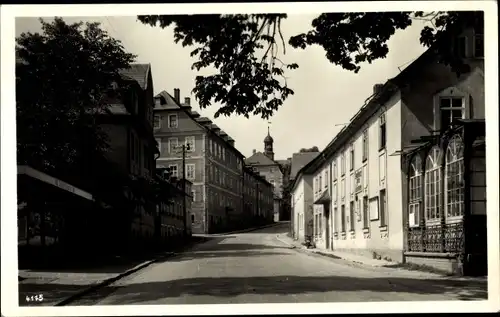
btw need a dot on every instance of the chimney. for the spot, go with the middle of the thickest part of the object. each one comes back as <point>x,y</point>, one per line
<point>377,88</point>
<point>177,95</point>
<point>254,151</point>
<point>187,101</point>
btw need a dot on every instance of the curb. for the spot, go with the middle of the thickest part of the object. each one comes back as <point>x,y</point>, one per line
<point>128,272</point>
<point>109,281</point>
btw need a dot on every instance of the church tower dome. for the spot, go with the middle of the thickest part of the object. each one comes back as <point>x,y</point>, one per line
<point>268,145</point>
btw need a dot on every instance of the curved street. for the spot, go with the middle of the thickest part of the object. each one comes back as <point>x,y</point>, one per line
<point>256,267</point>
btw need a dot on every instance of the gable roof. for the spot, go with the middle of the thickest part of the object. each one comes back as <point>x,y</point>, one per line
<point>259,158</point>
<point>139,73</point>
<point>171,103</point>
<point>300,160</point>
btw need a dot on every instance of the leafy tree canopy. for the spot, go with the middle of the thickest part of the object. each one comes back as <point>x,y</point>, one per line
<point>250,78</point>
<point>63,75</point>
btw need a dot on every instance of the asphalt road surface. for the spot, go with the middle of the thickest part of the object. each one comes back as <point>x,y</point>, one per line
<point>256,267</point>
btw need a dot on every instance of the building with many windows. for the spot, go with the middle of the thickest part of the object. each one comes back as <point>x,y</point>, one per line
<point>405,179</point>
<point>273,170</point>
<point>212,163</point>
<point>258,198</point>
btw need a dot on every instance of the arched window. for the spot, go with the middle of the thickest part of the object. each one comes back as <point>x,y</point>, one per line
<point>454,181</point>
<point>415,191</point>
<point>433,185</point>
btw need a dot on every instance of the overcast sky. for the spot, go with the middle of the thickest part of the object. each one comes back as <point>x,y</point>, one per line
<point>325,94</point>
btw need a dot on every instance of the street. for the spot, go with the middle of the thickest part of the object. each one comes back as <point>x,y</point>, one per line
<point>255,267</point>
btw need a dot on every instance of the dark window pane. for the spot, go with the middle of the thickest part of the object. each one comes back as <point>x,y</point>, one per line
<point>456,102</point>
<point>457,114</point>
<point>445,102</point>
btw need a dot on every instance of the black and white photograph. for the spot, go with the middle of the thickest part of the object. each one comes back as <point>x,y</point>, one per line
<point>204,156</point>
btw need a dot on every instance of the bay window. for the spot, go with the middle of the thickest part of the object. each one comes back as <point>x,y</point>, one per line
<point>433,185</point>
<point>454,178</point>
<point>415,191</point>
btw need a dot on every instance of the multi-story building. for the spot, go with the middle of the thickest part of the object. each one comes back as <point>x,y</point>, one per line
<point>272,170</point>
<point>258,198</point>
<point>132,147</point>
<point>212,163</point>
<point>172,218</point>
<point>300,195</point>
<point>379,192</point>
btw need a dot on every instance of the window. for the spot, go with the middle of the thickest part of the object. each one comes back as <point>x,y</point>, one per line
<point>351,157</point>
<point>415,191</point>
<point>365,145</point>
<point>432,185</point>
<point>382,133</point>
<point>189,143</point>
<point>158,140</point>
<point>478,45</point>
<point>173,143</point>
<point>193,194</point>
<point>342,164</point>
<point>327,180</point>
<point>351,216</point>
<point>172,121</point>
<point>335,170</point>
<point>157,122</point>
<point>342,217</point>
<point>451,109</point>
<point>320,225</point>
<point>316,182</point>
<point>320,185</point>
<point>190,171</point>
<point>334,192</point>
<point>192,218</point>
<point>460,47</point>
<point>383,208</point>
<point>366,223</point>
<point>454,178</point>
<point>342,189</point>
<point>173,170</point>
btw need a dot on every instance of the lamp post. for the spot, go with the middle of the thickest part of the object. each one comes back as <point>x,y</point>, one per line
<point>184,148</point>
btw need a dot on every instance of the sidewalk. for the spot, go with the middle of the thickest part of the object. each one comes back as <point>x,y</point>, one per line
<point>379,265</point>
<point>58,288</point>
<point>334,254</point>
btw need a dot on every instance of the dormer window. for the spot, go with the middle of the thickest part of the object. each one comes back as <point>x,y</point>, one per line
<point>449,105</point>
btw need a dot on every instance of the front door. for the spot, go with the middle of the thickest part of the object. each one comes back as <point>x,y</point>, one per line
<point>327,225</point>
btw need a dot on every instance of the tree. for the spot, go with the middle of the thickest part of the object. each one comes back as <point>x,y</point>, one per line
<point>247,80</point>
<point>63,75</point>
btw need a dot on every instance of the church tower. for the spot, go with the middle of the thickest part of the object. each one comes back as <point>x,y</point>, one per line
<point>268,145</point>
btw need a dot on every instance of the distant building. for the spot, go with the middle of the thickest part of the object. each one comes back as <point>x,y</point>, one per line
<point>170,214</point>
<point>266,166</point>
<point>300,192</point>
<point>258,198</point>
<point>213,164</point>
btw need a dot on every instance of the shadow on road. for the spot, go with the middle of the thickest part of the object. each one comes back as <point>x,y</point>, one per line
<point>287,285</point>
<point>229,254</point>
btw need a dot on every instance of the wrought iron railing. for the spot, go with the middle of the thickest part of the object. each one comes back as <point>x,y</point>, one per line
<point>448,238</point>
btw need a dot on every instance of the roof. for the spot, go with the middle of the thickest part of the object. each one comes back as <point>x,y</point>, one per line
<point>259,158</point>
<point>371,105</point>
<point>139,73</point>
<point>171,103</point>
<point>300,160</point>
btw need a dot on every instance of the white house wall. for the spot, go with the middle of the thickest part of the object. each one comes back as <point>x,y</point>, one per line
<point>381,170</point>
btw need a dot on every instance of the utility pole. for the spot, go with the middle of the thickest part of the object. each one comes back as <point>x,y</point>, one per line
<point>184,207</point>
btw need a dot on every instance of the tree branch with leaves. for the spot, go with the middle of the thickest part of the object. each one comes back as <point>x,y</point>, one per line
<point>250,79</point>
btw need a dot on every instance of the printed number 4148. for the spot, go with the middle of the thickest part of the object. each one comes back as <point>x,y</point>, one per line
<point>35,298</point>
